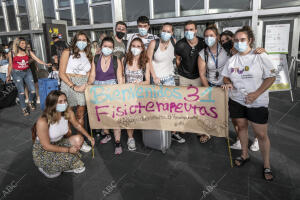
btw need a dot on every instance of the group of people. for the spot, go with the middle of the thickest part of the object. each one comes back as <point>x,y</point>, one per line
<point>224,60</point>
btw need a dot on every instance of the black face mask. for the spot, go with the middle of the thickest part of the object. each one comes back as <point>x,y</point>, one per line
<point>120,35</point>
<point>228,45</point>
<point>22,49</point>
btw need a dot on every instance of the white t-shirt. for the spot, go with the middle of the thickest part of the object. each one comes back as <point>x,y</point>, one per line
<point>79,65</point>
<point>145,40</point>
<point>247,73</point>
<point>211,66</point>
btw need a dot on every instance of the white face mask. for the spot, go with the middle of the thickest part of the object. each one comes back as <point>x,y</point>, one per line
<point>61,107</point>
<point>135,51</point>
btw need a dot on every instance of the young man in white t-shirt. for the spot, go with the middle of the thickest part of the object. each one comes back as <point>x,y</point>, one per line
<point>143,24</point>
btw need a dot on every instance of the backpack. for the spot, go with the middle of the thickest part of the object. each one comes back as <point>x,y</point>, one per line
<point>115,63</point>
<point>157,44</point>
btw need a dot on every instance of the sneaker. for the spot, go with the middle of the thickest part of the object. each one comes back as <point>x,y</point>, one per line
<point>25,112</point>
<point>26,100</point>
<point>106,139</point>
<point>17,101</point>
<point>118,149</point>
<point>85,147</point>
<point>49,175</point>
<point>38,101</point>
<point>237,145</point>
<point>131,144</point>
<point>176,137</point>
<point>76,171</point>
<point>254,146</point>
<point>32,105</point>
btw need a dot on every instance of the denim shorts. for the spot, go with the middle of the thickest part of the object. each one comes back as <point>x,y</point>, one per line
<point>107,82</point>
<point>167,81</point>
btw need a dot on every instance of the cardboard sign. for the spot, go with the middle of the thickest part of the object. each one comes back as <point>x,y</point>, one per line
<point>132,106</point>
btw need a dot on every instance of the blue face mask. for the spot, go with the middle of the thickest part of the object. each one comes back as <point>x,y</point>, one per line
<point>165,36</point>
<point>210,41</point>
<point>143,31</point>
<point>189,35</point>
<point>106,51</point>
<point>241,46</point>
<point>81,45</point>
<point>61,107</point>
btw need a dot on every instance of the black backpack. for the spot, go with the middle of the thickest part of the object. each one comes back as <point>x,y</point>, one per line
<point>157,44</point>
<point>115,63</point>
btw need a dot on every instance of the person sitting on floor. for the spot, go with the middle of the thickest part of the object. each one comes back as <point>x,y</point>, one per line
<point>53,153</point>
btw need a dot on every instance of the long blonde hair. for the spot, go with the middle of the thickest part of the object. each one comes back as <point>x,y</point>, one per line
<point>15,47</point>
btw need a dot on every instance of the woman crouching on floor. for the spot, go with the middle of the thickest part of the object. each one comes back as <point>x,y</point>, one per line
<point>53,152</point>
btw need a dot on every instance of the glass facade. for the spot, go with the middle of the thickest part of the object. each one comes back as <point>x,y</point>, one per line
<point>217,6</point>
<point>81,10</point>
<point>48,9</point>
<point>136,8</point>
<point>164,9</point>
<point>102,14</point>
<point>191,7</point>
<point>11,15</point>
<point>66,15</point>
<point>279,3</point>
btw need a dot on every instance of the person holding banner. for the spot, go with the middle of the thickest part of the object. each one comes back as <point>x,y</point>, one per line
<point>211,62</point>
<point>52,152</point>
<point>74,71</point>
<point>136,70</point>
<point>248,76</point>
<point>107,70</point>
<point>161,55</point>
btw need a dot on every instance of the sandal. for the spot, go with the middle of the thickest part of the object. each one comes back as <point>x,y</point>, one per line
<point>32,105</point>
<point>268,171</point>
<point>25,112</point>
<point>206,138</point>
<point>241,161</point>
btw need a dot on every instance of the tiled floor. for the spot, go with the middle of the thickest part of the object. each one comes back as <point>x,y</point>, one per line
<point>187,171</point>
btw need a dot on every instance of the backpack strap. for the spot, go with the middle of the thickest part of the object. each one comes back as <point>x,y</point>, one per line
<point>173,41</point>
<point>156,45</point>
<point>115,65</point>
<point>124,65</point>
<point>206,59</point>
<point>96,59</point>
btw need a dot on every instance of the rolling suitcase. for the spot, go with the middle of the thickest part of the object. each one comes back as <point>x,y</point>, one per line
<point>46,85</point>
<point>157,139</point>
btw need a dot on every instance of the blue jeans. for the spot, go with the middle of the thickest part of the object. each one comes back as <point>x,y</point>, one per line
<point>3,76</point>
<point>107,82</point>
<point>167,81</point>
<point>19,77</point>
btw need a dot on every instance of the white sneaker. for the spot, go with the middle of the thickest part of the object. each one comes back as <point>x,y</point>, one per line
<point>254,146</point>
<point>26,100</point>
<point>85,147</point>
<point>131,144</point>
<point>76,171</point>
<point>38,101</point>
<point>49,175</point>
<point>237,145</point>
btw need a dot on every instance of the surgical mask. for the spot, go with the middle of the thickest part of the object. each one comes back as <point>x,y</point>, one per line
<point>120,34</point>
<point>228,45</point>
<point>81,45</point>
<point>106,51</point>
<point>143,31</point>
<point>165,36</point>
<point>210,41</point>
<point>61,107</point>
<point>189,35</point>
<point>135,51</point>
<point>6,50</point>
<point>241,46</point>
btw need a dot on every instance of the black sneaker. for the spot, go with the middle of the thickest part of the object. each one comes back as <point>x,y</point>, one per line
<point>32,105</point>
<point>26,112</point>
<point>176,137</point>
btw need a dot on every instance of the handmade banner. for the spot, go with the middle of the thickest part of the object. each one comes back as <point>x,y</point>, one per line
<point>132,106</point>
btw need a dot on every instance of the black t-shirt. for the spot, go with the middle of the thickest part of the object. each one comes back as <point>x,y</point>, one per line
<point>188,67</point>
